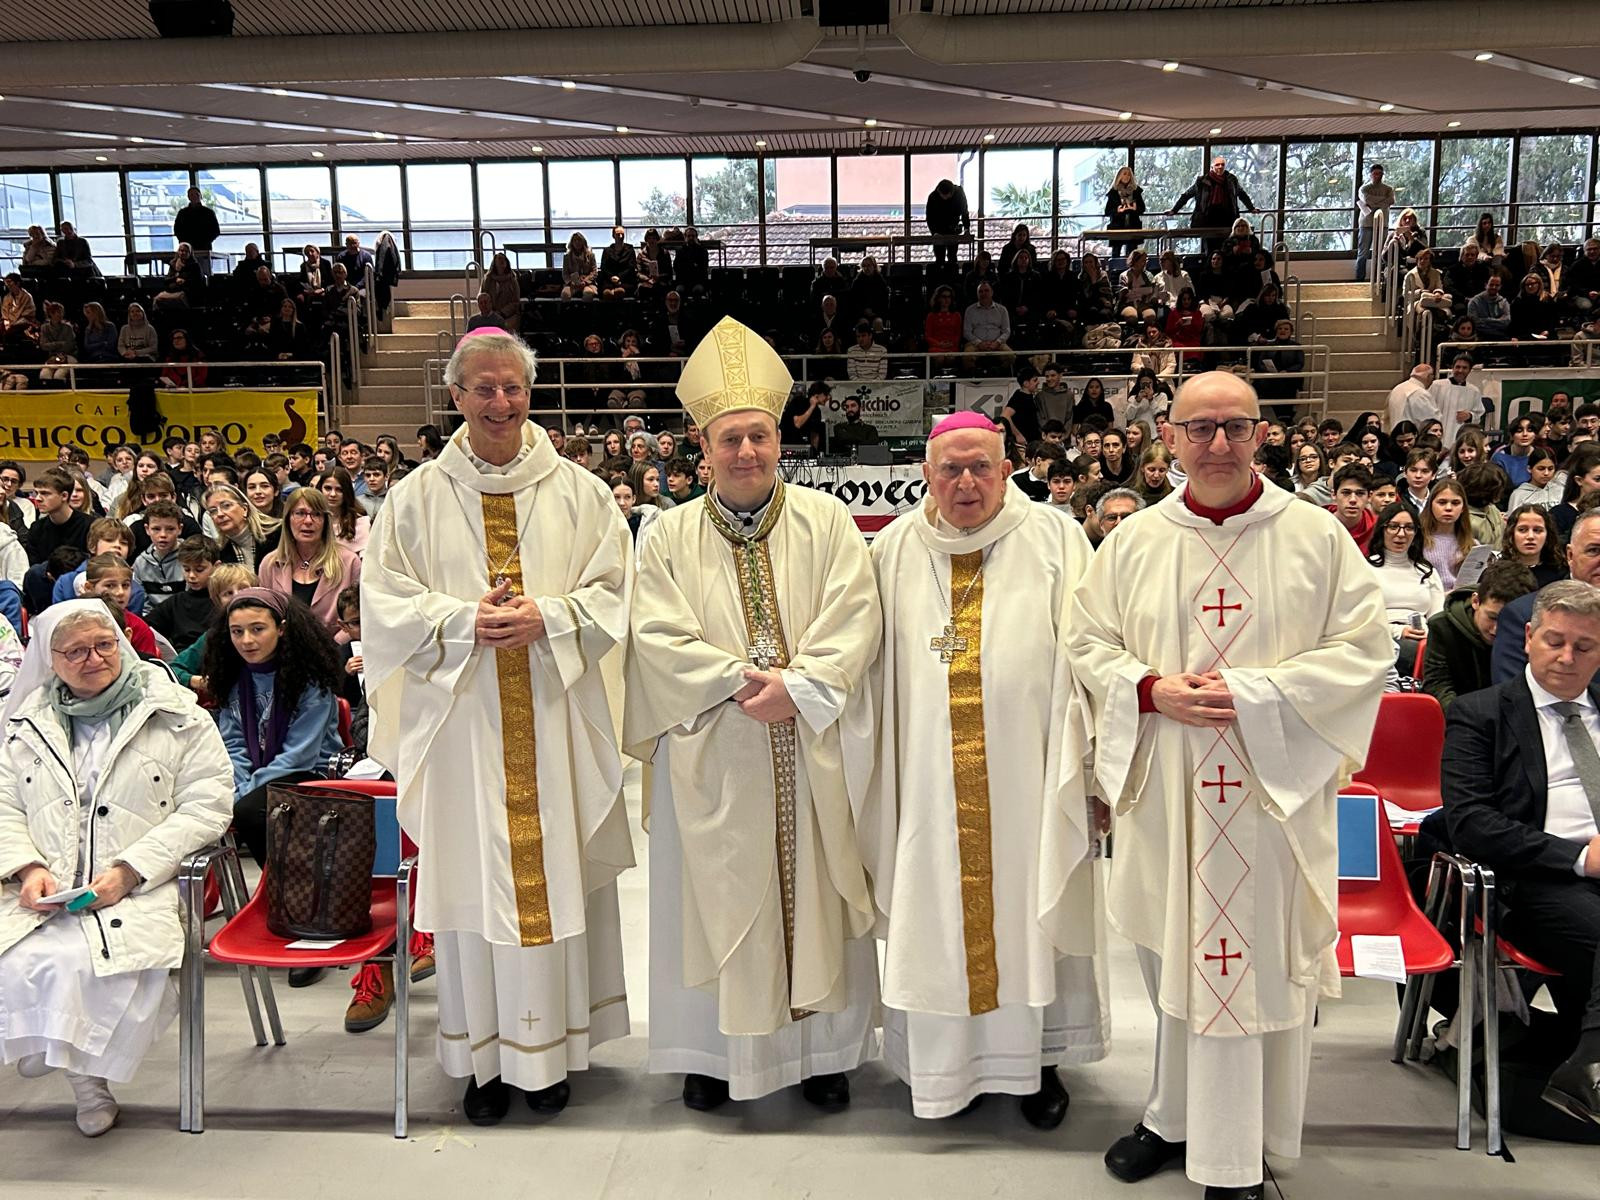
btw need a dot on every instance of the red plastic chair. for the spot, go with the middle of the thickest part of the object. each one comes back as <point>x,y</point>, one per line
<point>1403,758</point>
<point>346,727</point>
<point>245,940</point>
<point>1385,907</point>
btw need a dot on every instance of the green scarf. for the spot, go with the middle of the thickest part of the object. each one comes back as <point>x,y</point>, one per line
<point>113,704</point>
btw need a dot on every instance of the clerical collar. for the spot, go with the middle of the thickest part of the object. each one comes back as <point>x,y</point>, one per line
<point>486,467</point>
<point>950,530</point>
<point>1218,515</point>
<point>744,522</point>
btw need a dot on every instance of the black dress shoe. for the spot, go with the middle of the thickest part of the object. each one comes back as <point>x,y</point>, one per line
<point>486,1105</point>
<point>703,1093</point>
<point>300,977</point>
<point>1047,1107</point>
<point>1141,1154</point>
<point>830,1093</point>
<point>1253,1192</point>
<point>1575,1090</point>
<point>551,1099</point>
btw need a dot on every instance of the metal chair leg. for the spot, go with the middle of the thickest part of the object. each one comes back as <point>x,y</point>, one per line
<point>262,977</point>
<point>402,998</point>
<point>1491,1012</point>
<point>231,889</point>
<point>1471,949</point>
<point>191,952</point>
<point>1439,901</point>
<point>1409,1004</point>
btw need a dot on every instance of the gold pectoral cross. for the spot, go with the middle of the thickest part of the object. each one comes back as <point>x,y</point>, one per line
<point>765,651</point>
<point>949,645</point>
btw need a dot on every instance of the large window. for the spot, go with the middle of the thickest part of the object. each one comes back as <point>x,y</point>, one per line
<point>961,169</point>
<point>154,198</point>
<point>299,212</point>
<point>369,202</point>
<point>234,193</point>
<point>1017,191</point>
<point>24,201</point>
<point>801,209</point>
<point>1166,172</point>
<point>511,206</point>
<point>1474,176</point>
<point>872,200</point>
<point>1084,176</point>
<point>1408,169</point>
<point>1319,196</point>
<point>1552,180</point>
<point>583,199</point>
<point>92,201</point>
<point>440,196</point>
<point>654,195</point>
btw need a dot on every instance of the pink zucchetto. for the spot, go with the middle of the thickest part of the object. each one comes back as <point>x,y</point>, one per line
<point>484,331</point>
<point>963,420</point>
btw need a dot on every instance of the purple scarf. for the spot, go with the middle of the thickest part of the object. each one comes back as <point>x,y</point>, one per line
<point>276,729</point>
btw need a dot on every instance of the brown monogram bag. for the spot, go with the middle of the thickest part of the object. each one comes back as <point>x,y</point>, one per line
<point>320,848</point>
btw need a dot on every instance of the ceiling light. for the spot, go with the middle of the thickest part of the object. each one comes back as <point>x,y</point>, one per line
<point>280,91</point>
<point>988,137</point>
<point>1482,56</point>
<point>1126,116</point>
<point>378,133</point>
<point>100,158</point>
<point>1216,129</point>
<point>568,86</point>
<point>136,139</point>
<point>761,143</point>
<point>622,129</point>
<point>1570,79</point>
<point>1452,124</point>
<point>1385,108</point>
<point>316,154</point>
<point>1170,66</point>
<point>538,149</point>
<point>870,122</point>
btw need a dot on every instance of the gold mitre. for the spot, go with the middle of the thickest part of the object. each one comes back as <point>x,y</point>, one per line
<point>733,370</point>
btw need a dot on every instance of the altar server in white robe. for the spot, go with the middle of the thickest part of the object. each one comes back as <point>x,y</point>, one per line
<point>497,576</point>
<point>755,621</point>
<point>1234,650</point>
<point>977,830</point>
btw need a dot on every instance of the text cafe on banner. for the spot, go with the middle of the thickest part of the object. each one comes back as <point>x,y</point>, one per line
<point>35,424</point>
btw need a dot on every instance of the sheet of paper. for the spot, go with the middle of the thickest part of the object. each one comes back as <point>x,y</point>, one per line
<point>1405,816</point>
<point>1378,957</point>
<point>308,944</point>
<point>64,897</point>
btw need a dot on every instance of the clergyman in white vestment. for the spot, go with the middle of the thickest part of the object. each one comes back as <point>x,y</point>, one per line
<point>976,831</point>
<point>497,577</point>
<point>1233,645</point>
<point>754,624</point>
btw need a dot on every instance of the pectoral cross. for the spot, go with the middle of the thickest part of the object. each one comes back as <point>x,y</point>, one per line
<point>949,645</point>
<point>765,651</point>
<point>1224,956</point>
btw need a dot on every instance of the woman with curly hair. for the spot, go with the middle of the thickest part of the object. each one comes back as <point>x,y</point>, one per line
<point>273,668</point>
<point>1531,539</point>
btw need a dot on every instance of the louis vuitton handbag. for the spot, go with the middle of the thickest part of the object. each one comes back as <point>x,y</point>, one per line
<point>320,847</point>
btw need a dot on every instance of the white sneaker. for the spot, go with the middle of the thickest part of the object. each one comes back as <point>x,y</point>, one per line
<point>97,1107</point>
<point>33,1066</point>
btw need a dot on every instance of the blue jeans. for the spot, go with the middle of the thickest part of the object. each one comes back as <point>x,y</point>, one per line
<point>1363,248</point>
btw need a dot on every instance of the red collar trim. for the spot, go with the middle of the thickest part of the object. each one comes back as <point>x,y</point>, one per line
<point>1218,515</point>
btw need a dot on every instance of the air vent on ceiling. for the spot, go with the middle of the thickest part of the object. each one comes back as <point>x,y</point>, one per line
<point>851,14</point>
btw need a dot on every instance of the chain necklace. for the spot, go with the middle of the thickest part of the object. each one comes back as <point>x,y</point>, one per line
<point>948,645</point>
<point>499,578</point>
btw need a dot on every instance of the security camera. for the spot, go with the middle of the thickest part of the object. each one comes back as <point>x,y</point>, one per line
<point>862,74</point>
<point>868,146</point>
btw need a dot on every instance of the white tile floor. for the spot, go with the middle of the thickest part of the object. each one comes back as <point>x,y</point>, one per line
<point>313,1119</point>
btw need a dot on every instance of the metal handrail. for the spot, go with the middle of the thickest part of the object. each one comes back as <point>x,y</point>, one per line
<point>352,320</point>
<point>458,328</point>
<point>1589,348</point>
<point>336,371</point>
<point>1277,259</point>
<point>485,234</point>
<point>1380,236</point>
<point>369,300</point>
<point>466,278</point>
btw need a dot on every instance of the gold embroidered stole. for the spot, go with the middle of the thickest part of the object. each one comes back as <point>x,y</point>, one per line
<point>970,768</point>
<point>515,678</point>
<point>769,651</point>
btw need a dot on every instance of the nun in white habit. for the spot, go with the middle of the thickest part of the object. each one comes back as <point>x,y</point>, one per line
<point>110,775</point>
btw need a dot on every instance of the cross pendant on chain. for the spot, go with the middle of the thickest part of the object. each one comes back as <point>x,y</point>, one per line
<point>949,645</point>
<point>765,651</point>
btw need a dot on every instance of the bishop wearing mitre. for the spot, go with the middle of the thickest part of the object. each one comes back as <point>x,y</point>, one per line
<point>977,830</point>
<point>755,620</point>
<point>496,579</point>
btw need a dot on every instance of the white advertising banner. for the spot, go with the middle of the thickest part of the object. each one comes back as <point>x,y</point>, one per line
<point>895,407</point>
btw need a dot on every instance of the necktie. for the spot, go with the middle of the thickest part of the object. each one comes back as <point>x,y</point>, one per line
<point>1583,752</point>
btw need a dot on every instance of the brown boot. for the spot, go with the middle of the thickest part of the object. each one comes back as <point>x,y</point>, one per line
<point>374,988</point>
<point>422,964</point>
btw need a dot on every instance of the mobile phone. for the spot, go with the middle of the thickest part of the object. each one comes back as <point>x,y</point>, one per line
<point>1415,620</point>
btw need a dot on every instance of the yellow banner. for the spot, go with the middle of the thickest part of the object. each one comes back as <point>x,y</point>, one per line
<point>36,424</point>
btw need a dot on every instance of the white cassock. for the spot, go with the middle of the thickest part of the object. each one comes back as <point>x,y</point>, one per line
<point>976,829</point>
<point>1411,401</point>
<point>1450,398</point>
<point>1226,859</point>
<point>759,905</point>
<point>509,777</point>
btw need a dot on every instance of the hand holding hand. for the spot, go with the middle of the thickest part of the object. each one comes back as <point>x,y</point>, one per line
<point>37,882</point>
<point>771,702</point>
<point>1203,701</point>
<point>112,885</point>
<point>1102,815</point>
<point>507,621</point>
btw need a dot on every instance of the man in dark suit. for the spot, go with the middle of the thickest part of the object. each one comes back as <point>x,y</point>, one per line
<point>1521,783</point>
<point>1583,562</point>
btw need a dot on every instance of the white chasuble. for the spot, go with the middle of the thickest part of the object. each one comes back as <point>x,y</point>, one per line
<point>508,774</point>
<point>1226,849</point>
<point>975,828</point>
<point>772,886</point>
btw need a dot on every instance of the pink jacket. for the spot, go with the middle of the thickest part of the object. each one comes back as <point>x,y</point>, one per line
<point>276,575</point>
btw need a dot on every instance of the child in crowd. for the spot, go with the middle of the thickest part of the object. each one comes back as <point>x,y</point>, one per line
<point>681,485</point>
<point>111,578</point>
<point>107,535</point>
<point>184,618</point>
<point>375,474</point>
<point>1063,479</point>
<point>157,570</point>
<point>355,687</point>
<point>58,524</point>
<point>227,580</point>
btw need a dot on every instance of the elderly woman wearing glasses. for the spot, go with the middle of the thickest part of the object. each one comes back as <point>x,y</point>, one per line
<point>109,776</point>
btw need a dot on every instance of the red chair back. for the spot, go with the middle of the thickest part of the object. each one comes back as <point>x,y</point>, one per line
<point>1385,907</point>
<point>346,726</point>
<point>1407,744</point>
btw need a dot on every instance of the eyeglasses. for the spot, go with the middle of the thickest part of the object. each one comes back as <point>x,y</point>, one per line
<point>78,655</point>
<point>1407,530</point>
<point>952,472</point>
<point>511,391</point>
<point>1203,429</point>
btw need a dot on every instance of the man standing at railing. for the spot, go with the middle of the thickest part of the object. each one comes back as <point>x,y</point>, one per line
<point>947,215</point>
<point>355,260</point>
<point>1374,197</point>
<point>197,225</point>
<point>1217,195</point>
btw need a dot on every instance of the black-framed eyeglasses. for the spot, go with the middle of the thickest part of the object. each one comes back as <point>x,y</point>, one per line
<point>1204,429</point>
<point>1408,530</point>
